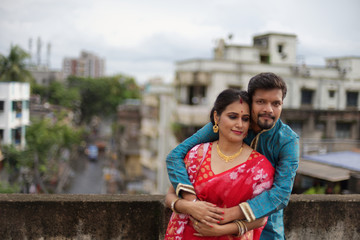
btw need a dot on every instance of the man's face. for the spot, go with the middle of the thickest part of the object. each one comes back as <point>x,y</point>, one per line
<point>266,108</point>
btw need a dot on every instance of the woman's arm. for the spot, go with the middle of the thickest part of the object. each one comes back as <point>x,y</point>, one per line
<point>225,229</point>
<point>202,211</point>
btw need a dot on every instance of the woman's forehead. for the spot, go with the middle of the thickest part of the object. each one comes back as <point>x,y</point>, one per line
<point>238,106</point>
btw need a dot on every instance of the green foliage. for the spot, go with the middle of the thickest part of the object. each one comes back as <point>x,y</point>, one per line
<point>60,95</point>
<point>101,96</point>
<point>13,67</point>
<point>7,188</point>
<point>45,137</point>
<point>45,142</point>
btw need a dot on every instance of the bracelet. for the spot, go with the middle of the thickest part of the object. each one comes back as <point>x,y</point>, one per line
<point>242,227</point>
<point>172,206</point>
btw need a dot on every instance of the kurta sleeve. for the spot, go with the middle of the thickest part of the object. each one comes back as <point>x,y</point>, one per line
<point>278,196</point>
<point>175,160</point>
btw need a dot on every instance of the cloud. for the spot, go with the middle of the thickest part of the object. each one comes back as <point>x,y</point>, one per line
<point>145,38</point>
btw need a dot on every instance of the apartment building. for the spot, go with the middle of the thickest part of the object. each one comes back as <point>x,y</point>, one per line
<point>322,102</point>
<point>145,137</point>
<point>86,65</point>
<point>157,138</point>
<point>14,112</point>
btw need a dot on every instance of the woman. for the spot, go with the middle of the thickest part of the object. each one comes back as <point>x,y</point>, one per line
<point>224,173</point>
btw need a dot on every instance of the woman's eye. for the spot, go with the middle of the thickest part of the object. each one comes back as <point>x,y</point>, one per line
<point>246,119</point>
<point>232,116</point>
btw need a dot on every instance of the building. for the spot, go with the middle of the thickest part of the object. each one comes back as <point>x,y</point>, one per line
<point>331,173</point>
<point>86,65</point>
<point>127,142</point>
<point>145,137</point>
<point>14,112</point>
<point>45,76</point>
<point>157,137</point>
<point>322,102</point>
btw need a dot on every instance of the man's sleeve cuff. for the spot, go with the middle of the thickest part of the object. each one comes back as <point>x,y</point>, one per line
<point>186,188</point>
<point>249,215</point>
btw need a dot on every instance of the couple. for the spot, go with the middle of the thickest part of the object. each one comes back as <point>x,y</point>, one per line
<point>234,182</point>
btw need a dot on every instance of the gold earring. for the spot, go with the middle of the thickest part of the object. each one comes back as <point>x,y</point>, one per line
<point>215,127</point>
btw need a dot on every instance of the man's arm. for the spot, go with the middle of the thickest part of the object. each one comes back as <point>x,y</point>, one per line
<point>278,196</point>
<point>175,160</point>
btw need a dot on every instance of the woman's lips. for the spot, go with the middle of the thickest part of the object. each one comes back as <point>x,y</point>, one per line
<point>237,132</point>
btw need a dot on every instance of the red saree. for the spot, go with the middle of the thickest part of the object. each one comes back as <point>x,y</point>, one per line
<point>226,189</point>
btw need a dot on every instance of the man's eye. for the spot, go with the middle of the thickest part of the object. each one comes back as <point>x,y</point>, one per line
<point>260,101</point>
<point>276,104</point>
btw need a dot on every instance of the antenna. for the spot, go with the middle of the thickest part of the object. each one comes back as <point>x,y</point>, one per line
<point>48,55</point>
<point>30,51</point>
<point>38,51</point>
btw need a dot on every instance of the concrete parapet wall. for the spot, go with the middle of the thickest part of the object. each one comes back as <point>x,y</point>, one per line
<point>139,217</point>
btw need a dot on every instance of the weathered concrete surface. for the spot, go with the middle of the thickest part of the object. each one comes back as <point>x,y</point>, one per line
<point>145,217</point>
<point>81,217</point>
<point>330,217</point>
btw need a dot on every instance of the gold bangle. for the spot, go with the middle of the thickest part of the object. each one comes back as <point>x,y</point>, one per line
<point>172,206</point>
<point>242,227</point>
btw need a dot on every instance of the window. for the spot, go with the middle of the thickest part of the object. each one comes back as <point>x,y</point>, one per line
<point>196,95</point>
<point>265,59</point>
<point>343,130</point>
<point>331,93</point>
<point>235,87</point>
<point>1,105</point>
<point>261,42</point>
<point>1,135</point>
<point>280,48</point>
<point>352,99</point>
<point>16,135</point>
<point>17,107</point>
<point>307,96</point>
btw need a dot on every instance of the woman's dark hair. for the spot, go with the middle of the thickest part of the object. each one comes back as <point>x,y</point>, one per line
<point>266,81</point>
<point>226,98</point>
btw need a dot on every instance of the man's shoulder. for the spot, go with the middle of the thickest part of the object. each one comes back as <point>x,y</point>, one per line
<point>283,130</point>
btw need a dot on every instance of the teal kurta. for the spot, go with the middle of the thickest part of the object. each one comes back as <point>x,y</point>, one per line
<point>279,144</point>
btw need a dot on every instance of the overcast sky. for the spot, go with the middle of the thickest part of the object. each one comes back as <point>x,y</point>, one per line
<point>144,38</point>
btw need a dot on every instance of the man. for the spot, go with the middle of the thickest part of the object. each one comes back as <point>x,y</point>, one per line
<point>269,136</point>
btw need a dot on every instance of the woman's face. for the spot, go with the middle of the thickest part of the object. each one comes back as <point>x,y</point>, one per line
<point>234,121</point>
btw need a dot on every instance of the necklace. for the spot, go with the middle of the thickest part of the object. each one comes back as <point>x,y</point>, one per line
<point>228,158</point>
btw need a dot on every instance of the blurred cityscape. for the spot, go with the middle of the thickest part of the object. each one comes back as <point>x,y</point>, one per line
<point>79,131</point>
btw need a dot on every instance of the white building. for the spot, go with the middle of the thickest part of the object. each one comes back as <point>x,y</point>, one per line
<point>322,102</point>
<point>14,112</point>
<point>157,139</point>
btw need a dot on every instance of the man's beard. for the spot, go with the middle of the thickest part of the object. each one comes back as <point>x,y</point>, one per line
<point>266,124</point>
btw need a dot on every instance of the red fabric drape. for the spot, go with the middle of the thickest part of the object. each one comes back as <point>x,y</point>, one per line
<point>226,189</point>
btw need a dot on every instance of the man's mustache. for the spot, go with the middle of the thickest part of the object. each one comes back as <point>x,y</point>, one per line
<point>267,115</point>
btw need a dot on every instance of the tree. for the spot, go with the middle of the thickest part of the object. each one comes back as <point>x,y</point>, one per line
<point>45,143</point>
<point>39,162</point>
<point>13,67</point>
<point>101,96</point>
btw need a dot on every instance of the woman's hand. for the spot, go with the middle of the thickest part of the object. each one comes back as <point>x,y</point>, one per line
<point>204,229</point>
<point>204,212</point>
<point>230,214</point>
